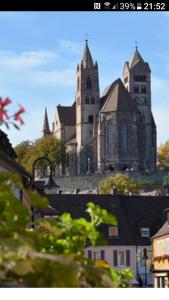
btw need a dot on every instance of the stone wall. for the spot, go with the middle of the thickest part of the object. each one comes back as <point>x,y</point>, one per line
<point>91,182</point>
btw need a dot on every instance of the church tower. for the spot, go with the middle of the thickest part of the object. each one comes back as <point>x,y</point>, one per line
<point>137,80</point>
<point>46,129</point>
<point>87,103</point>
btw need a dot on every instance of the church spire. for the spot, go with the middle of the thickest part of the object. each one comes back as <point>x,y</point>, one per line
<point>87,60</point>
<point>46,129</point>
<point>135,58</point>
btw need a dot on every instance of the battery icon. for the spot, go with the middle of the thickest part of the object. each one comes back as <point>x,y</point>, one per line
<point>139,5</point>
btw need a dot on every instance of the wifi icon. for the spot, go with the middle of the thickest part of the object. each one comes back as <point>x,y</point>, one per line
<point>107,4</point>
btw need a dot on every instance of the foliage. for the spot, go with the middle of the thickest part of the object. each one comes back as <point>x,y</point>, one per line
<point>7,119</point>
<point>163,156</point>
<point>122,183</point>
<point>52,254</point>
<point>48,146</point>
<point>166,180</point>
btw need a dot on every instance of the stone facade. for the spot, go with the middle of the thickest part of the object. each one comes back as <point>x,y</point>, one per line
<point>115,131</point>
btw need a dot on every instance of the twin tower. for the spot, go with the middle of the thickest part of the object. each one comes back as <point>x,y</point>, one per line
<point>113,132</point>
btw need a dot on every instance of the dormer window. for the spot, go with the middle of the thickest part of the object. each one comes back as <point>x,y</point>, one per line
<point>113,231</point>
<point>145,232</point>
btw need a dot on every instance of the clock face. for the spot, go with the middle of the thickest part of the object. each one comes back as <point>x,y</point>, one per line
<point>140,100</point>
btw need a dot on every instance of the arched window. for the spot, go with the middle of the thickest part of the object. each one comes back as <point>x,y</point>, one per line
<point>88,83</point>
<point>87,100</point>
<point>136,89</point>
<point>143,89</point>
<point>92,100</point>
<point>124,138</point>
<point>90,119</point>
<point>109,137</point>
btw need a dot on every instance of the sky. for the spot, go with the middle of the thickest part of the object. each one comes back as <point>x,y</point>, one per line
<point>39,53</point>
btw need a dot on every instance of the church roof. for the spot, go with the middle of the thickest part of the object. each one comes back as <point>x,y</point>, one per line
<point>117,98</point>
<point>87,58</point>
<point>46,128</point>
<point>67,114</point>
<point>135,59</point>
<point>72,140</point>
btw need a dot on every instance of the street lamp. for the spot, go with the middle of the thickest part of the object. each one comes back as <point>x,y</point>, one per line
<point>50,183</point>
<point>145,264</point>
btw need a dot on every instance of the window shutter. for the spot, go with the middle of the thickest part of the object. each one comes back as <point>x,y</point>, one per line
<point>115,258</point>
<point>102,254</point>
<point>127,258</point>
<point>89,254</point>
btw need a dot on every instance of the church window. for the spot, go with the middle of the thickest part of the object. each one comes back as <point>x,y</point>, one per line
<point>143,89</point>
<point>124,138</point>
<point>78,83</point>
<point>90,119</point>
<point>136,89</point>
<point>88,83</point>
<point>139,78</point>
<point>92,100</point>
<point>87,100</point>
<point>109,138</point>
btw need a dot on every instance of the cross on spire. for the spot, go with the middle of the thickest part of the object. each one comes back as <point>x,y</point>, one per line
<point>86,37</point>
<point>136,44</point>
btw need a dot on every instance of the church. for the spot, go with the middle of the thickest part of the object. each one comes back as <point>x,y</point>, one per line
<point>111,132</point>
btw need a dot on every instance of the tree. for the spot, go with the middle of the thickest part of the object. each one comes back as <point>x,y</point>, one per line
<point>21,150</point>
<point>48,146</point>
<point>123,184</point>
<point>52,254</point>
<point>163,156</point>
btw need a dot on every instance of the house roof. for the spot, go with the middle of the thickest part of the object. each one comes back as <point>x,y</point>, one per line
<point>67,114</point>
<point>117,98</point>
<point>14,165</point>
<point>164,230</point>
<point>132,213</point>
<point>6,146</point>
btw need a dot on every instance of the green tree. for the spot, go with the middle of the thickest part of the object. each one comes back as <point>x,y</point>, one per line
<point>48,146</point>
<point>123,184</point>
<point>21,150</point>
<point>163,156</point>
<point>52,254</point>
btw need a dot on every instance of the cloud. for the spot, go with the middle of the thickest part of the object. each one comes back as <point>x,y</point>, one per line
<point>70,47</point>
<point>54,77</point>
<point>25,60</point>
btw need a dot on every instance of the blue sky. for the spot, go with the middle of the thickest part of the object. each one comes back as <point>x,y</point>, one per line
<point>39,52</point>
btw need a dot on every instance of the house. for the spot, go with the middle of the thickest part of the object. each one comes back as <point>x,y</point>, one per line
<point>161,255</point>
<point>8,164</point>
<point>139,218</point>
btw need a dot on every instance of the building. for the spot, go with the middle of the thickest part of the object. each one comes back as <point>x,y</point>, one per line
<point>116,131</point>
<point>139,218</point>
<point>8,164</point>
<point>161,255</point>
